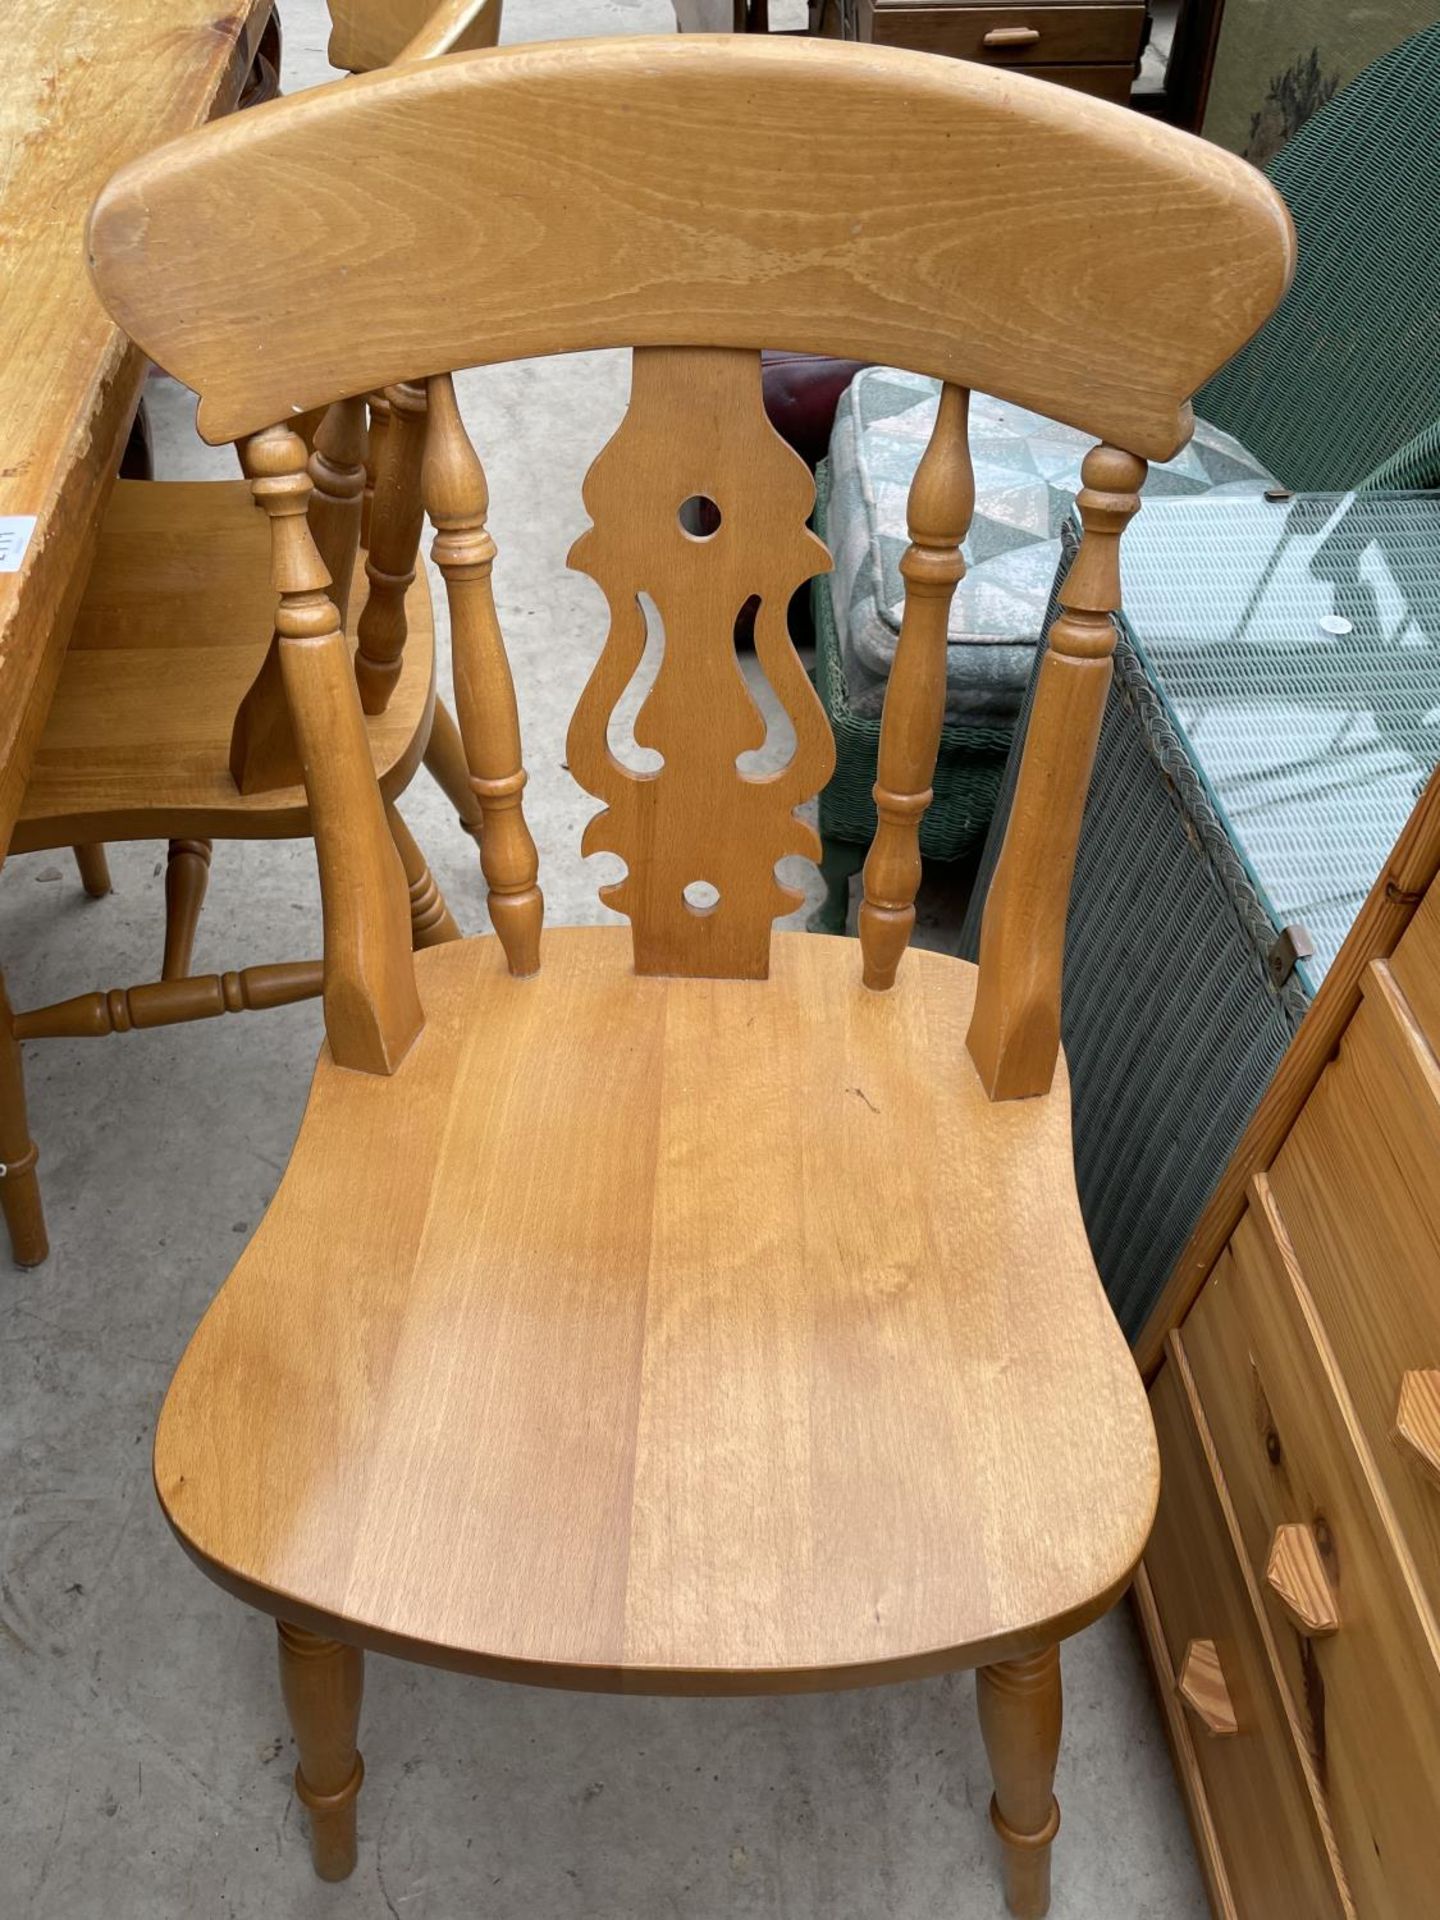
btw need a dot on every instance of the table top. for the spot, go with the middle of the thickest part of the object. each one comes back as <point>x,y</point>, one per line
<point>84,86</point>
<point>1296,645</point>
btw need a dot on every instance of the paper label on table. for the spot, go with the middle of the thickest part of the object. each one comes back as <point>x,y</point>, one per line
<point>15,532</point>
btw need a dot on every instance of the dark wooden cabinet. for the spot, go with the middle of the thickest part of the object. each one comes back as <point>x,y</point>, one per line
<point>1092,48</point>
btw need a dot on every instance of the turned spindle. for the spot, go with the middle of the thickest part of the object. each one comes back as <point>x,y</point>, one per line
<point>378,408</point>
<point>1014,1036</point>
<point>393,546</point>
<point>445,763</point>
<point>372,1009</point>
<point>1020,1718</point>
<point>457,500</point>
<point>187,874</point>
<point>322,1682</point>
<point>942,499</point>
<point>169,1003</point>
<point>337,479</point>
<point>431,922</point>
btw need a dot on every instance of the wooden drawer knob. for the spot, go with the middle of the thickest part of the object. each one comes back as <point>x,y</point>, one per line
<point>1417,1420</point>
<point>1011,37</point>
<point>1296,1576</point>
<point>1202,1687</point>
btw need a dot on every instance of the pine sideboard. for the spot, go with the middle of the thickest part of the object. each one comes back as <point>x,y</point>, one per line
<point>1290,1592</point>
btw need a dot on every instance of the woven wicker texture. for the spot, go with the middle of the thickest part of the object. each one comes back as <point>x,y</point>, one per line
<point>1254,769</point>
<point>1416,464</point>
<point>1347,371</point>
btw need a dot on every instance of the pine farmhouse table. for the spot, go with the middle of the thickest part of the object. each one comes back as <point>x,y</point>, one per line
<point>84,85</point>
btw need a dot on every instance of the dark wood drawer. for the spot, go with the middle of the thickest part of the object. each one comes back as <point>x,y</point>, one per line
<point>1261,1792</point>
<point>1000,36</point>
<point>1356,1649</point>
<point>1105,83</point>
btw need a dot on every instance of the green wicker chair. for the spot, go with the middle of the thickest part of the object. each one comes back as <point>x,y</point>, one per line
<point>1341,389</point>
<point>1343,381</point>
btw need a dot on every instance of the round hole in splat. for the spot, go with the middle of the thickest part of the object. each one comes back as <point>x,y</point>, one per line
<point>701,897</point>
<point>699,517</point>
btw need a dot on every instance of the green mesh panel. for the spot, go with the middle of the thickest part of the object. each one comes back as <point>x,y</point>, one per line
<point>1347,371</point>
<point>1416,464</point>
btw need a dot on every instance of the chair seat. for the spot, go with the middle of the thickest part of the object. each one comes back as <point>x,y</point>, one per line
<point>174,626</point>
<point>670,1335</point>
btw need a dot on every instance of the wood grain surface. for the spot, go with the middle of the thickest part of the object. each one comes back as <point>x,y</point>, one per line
<point>83,88</point>
<point>1119,266</point>
<point>365,34</point>
<point>696,429</point>
<point>175,623</point>
<point>543,1365</point>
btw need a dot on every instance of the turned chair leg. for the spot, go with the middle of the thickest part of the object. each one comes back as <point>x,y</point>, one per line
<point>19,1184</point>
<point>1020,1719</point>
<point>187,874</point>
<point>445,760</point>
<point>431,922</point>
<point>322,1681</point>
<point>94,869</point>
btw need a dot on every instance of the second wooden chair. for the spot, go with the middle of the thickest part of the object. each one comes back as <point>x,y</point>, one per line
<point>169,721</point>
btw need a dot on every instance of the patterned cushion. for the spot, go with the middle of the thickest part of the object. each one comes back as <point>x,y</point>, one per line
<point>1027,471</point>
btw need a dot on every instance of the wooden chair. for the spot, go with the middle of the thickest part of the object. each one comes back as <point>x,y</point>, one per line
<point>366,34</point>
<point>683,1309</point>
<point>134,750</point>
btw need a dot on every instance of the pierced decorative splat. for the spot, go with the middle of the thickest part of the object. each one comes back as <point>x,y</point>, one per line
<point>696,427</point>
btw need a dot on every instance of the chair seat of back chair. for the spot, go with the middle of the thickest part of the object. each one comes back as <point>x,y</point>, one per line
<point>658,1333</point>
<point>174,626</point>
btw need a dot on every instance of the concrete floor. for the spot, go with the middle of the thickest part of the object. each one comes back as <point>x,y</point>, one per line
<point>144,1757</point>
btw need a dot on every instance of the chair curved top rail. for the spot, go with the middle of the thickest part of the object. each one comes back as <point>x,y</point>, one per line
<point>865,202</point>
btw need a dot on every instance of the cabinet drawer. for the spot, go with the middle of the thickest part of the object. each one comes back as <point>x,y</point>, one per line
<point>1358,1186</point>
<point>1415,964</point>
<point>1258,1790</point>
<point>1001,36</point>
<point>1104,83</point>
<point>1356,1649</point>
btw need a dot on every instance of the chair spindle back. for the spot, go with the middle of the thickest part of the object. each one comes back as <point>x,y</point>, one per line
<point>562,197</point>
<point>938,511</point>
<point>458,500</point>
<point>392,546</point>
<point>372,1010</point>
<point>337,476</point>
